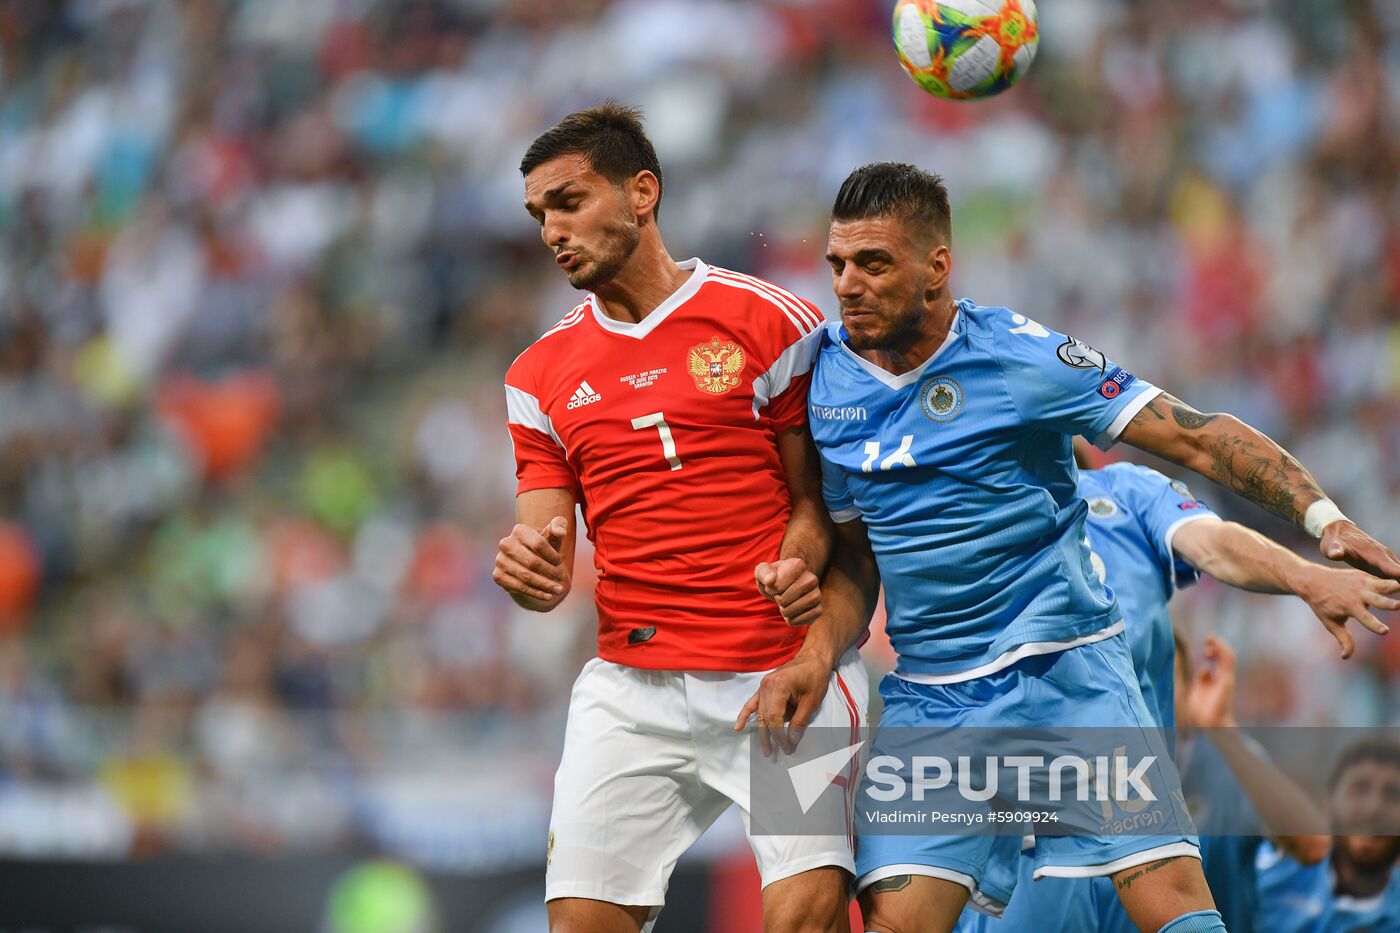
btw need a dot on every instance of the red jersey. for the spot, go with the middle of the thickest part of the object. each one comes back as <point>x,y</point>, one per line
<point>666,430</point>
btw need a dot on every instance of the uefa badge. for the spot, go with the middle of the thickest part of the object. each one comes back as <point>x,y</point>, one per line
<point>942,398</point>
<point>716,365</point>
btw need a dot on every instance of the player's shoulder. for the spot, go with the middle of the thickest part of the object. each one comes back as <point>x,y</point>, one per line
<point>988,322</point>
<point>559,341</point>
<point>1136,478</point>
<point>1135,483</point>
<point>769,308</point>
<point>1004,334</point>
<point>1125,473</point>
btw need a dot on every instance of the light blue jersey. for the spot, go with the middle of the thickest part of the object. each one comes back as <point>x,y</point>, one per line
<point>1298,898</point>
<point>1134,512</point>
<point>963,473</point>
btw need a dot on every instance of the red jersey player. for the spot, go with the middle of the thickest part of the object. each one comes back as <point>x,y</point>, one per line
<point>670,404</point>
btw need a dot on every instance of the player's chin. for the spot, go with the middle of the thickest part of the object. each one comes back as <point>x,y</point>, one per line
<point>584,275</point>
<point>863,332</point>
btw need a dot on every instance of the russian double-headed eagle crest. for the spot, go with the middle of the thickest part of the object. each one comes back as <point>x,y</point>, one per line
<point>716,366</point>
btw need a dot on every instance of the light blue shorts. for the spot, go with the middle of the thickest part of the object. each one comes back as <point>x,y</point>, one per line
<point>1088,686</point>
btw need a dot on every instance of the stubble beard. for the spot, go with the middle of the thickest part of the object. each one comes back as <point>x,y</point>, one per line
<point>901,331</point>
<point>619,242</point>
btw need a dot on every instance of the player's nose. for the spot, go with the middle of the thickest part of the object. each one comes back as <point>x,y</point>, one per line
<point>848,283</point>
<point>554,232</point>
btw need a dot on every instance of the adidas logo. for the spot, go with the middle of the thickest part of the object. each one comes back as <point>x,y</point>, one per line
<point>583,395</point>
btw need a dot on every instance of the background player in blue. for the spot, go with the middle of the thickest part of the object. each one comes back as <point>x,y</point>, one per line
<point>1214,770</point>
<point>944,430</point>
<point>1148,537</point>
<point>1147,540</point>
<point>1356,888</point>
<point>1232,788</point>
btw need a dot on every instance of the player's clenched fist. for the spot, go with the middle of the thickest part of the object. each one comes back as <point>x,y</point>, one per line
<point>530,567</point>
<point>795,589</point>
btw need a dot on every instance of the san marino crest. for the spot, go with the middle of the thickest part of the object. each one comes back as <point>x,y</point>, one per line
<point>1102,507</point>
<point>942,398</point>
<point>716,365</point>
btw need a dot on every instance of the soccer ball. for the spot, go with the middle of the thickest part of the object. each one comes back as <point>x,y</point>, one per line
<point>965,49</point>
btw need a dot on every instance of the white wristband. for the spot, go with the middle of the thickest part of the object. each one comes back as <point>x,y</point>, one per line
<point>1319,515</point>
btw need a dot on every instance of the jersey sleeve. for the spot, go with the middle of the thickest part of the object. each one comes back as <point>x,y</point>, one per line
<point>1061,384</point>
<point>1161,505</point>
<point>781,390</point>
<point>839,501</point>
<point>540,460</point>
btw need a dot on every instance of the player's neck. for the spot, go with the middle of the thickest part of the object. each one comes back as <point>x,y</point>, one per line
<point>1355,881</point>
<point>649,278</point>
<point>924,343</point>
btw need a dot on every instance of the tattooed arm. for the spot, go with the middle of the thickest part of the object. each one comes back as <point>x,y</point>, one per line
<point>1227,450</point>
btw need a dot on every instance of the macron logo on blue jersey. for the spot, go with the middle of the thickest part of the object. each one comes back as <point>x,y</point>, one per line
<point>837,413</point>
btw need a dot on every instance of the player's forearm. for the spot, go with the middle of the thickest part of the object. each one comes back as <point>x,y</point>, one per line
<point>1287,812</point>
<point>850,591</point>
<point>1241,557</point>
<point>1227,450</point>
<point>809,535</point>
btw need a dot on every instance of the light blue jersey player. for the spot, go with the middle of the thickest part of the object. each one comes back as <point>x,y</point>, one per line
<point>1140,547</point>
<point>1134,516</point>
<point>1356,887</point>
<point>1297,898</point>
<point>944,431</point>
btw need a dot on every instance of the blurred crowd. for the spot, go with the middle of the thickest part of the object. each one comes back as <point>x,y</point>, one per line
<point>263,265</point>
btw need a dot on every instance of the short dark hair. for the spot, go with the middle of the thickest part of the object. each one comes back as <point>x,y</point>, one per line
<point>883,189</point>
<point>610,136</point>
<point>1379,750</point>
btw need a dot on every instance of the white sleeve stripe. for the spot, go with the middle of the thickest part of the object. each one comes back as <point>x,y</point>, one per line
<point>720,280</point>
<point>848,514</point>
<point>793,362</point>
<point>523,409</point>
<point>569,320</point>
<point>808,314</point>
<point>791,303</point>
<point>779,292</point>
<point>807,311</point>
<point>1109,437</point>
<point>730,278</point>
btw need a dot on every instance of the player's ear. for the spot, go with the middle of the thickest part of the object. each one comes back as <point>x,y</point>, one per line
<point>939,263</point>
<point>644,191</point>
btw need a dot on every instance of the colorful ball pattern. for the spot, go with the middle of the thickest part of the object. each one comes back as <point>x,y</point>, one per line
<point>966,49</point>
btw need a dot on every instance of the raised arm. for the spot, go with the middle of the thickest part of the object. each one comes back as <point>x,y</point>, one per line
<point>535,562</point>
<point>1227,450</point>
<point>1278,800</point>
<point>1243,558</point>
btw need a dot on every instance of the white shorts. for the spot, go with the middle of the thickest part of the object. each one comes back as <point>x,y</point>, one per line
<point>651,759</point>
